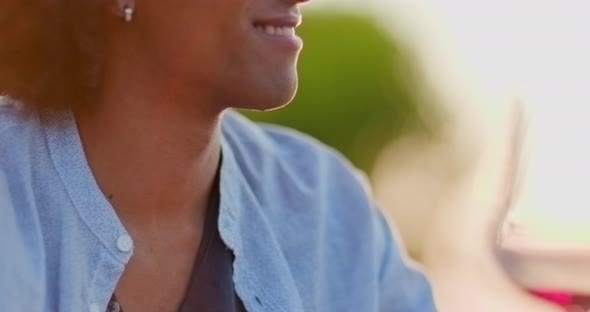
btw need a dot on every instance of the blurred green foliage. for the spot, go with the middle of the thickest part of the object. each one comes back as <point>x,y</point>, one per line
<point>359,88</point>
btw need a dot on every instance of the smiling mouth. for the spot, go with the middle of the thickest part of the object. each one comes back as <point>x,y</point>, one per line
<point>279,31</point>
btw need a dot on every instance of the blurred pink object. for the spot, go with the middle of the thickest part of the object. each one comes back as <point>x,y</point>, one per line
<point>561,299</point>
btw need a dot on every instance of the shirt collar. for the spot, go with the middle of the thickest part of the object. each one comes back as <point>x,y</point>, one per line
<point>261,274</point>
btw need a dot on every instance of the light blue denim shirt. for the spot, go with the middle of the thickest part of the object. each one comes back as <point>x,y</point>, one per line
<point>299,219</point>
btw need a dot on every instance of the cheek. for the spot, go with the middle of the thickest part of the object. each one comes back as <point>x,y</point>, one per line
<point>197,35</point>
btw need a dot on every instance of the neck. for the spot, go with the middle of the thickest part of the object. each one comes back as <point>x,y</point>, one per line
<point>155,161</point>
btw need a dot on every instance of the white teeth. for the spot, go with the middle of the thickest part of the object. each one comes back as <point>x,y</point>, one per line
<point>270,30</point>
<point>289,31</point>
<point>277,30</point>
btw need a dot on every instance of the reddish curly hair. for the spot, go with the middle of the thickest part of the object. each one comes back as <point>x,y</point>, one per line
<point>51,51</point>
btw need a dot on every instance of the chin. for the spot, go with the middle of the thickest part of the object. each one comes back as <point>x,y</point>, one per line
<point>268,97</point>
<point>277,102</point>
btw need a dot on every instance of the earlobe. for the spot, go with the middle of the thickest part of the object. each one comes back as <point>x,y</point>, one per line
<point>125,10</point>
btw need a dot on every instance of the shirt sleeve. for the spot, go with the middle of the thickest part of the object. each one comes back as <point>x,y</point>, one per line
<point>403,287</point>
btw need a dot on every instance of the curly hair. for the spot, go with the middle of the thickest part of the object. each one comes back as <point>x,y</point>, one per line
<point>51,51</point>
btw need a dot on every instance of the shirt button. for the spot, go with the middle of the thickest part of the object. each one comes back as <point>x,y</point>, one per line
<point>94,308</point>
<point>124,243</point>
<point>114,307</point>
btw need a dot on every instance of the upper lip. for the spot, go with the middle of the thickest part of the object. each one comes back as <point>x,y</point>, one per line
<point>291,20</point>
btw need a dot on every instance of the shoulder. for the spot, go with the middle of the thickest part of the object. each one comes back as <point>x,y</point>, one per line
<point>20,131</point>
<point>305,186</point>
<point>12,114</point>
<point>18,126</point>
<point>295,177</point>
<point>19,231</point>
<point>320,212</point>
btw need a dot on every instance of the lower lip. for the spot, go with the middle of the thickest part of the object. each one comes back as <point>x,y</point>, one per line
<point>291,43</point>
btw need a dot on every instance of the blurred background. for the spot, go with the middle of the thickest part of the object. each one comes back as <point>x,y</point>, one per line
<point>426,97</point>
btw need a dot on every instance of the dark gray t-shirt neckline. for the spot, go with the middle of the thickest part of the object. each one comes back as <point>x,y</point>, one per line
<point>211,288</point>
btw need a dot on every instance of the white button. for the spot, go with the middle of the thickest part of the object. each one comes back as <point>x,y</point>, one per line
<point>124,243</point>
<point>114,307</point>
<point>94,308</point>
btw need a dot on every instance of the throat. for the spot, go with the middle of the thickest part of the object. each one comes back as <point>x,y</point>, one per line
<point>169,261</point>
<point>175,259</point>
<point>151,163</point>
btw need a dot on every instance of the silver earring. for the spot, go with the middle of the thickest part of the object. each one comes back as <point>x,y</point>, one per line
<point>127,13</point>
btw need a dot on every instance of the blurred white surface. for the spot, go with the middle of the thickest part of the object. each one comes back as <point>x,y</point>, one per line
<point>445,195</point>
